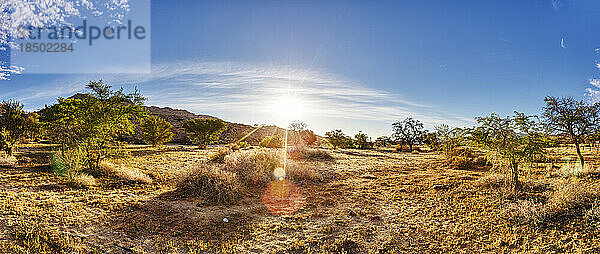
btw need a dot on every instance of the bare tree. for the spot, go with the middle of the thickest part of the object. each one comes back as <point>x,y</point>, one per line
<point>572,117</point>
<point>409,131</point>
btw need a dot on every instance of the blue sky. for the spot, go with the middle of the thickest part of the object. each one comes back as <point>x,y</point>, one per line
<point>354,65</point>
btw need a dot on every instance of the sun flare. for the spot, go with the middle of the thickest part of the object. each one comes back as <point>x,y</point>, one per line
<point>290,108</point>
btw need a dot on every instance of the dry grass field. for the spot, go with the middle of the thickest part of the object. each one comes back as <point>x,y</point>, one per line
<point>364,201</point>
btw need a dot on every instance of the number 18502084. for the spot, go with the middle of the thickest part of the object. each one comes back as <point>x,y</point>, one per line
<point>46,47</point>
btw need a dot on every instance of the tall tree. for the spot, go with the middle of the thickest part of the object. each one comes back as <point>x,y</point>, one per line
<point>92,122</point>
<point>204,131</point>
<point>512,139</point>
<point>15,125</point>
<point>337,138</point>
<point>408,131</point>
<point>156,131</point>
<point>572,117</point>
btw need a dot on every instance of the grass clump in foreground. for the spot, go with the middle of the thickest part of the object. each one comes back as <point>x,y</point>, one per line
<point>570,199</point>
<point>303,153</point>
<point>241,172</point>
<point>214,185</point>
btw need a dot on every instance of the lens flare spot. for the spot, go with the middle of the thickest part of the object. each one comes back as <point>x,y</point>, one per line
<point>282,197</point>
<point>279,173</point>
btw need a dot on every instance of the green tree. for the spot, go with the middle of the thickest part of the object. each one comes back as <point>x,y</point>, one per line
<point>15,125</point>
<point>337,138</point>
<point>275,141</point>
<point>156,131</point>
<point>204,131</point>
<point>450,138</point>
<point>512,139</point>
<point>383,141</point>
<point>574,118</point>
<point>363,141</point>
<point>408,131</point>
<point>93,121</point>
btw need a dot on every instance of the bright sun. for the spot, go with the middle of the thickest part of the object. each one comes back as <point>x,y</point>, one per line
<point>290,108</point>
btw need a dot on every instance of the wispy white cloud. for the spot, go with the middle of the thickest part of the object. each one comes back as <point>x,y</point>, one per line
<point>556,4</point>
<point>247,91</point>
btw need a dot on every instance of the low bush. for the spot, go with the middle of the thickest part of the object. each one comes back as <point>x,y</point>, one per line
<point>303,153</point>
<point>271,142</point>
<point>253,167</point>
<point>213,184</point>
<point>67,164</point>
<point>574,169</point>
<point>571,197</point>
<point>126,173</point>
<point>302,174</point>
<point>83,181</point>
<point>219,155</point>
<point>7,161</point>
<point>492,181</point>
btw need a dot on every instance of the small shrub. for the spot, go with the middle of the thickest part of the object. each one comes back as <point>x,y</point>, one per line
<point>492,181</point>
<point>243,144</point>
<point>219,155</point>
<point>7,161</point>
<point>574,169</point>
<point>83,181</point>
<point>212,184</point>
<point>126,173</point>
<point>303,153</point>
<point>302,174</point>
<point>526,211</point>
<point>67,164</point>
<point>593,214</point>
<point>571,197</point>
<point>255,168</point>
<point>271,142</point>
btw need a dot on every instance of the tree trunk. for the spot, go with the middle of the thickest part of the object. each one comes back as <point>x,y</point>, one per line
<point>579,153</point>
<point>514,168</point>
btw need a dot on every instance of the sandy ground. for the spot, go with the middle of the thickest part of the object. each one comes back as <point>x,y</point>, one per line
<point>369,202</point>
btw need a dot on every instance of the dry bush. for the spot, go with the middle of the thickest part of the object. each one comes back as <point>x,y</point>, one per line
<point>83,181</point>
<point>492,181</point>
<point>302,174</point>
<point>574,169</point>
<point>301,152</point>
<point>571,197</point>
<point>214,185</point>
<point>593,214</point>
<point>126,173</point>
<point>255,167</point>
<point>35,237</point>
<point>7,161</point>
<point>219,155</point>
<point>526,211</point>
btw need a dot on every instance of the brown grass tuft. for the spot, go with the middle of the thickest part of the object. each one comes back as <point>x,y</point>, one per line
<point>83,181</point>
<point>303,153</point>
<point>126,173</point>
<point>214,185</point>
<point>255,167</point>
<point>491,181</point>
<point>302,174</point>
<point>219,156</point>
<point>7,161</point>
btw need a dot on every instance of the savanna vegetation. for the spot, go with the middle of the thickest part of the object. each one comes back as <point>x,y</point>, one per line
<point>73,183</point>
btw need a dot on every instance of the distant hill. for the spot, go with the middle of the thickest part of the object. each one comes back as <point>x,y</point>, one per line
<point>176,117</point>
<point>234,132</point>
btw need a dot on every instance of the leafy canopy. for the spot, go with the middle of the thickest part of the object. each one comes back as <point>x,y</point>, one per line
<point>93,121</point>
<point>156,131</point>
<point>15,125</point>
<point>203,131</point>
